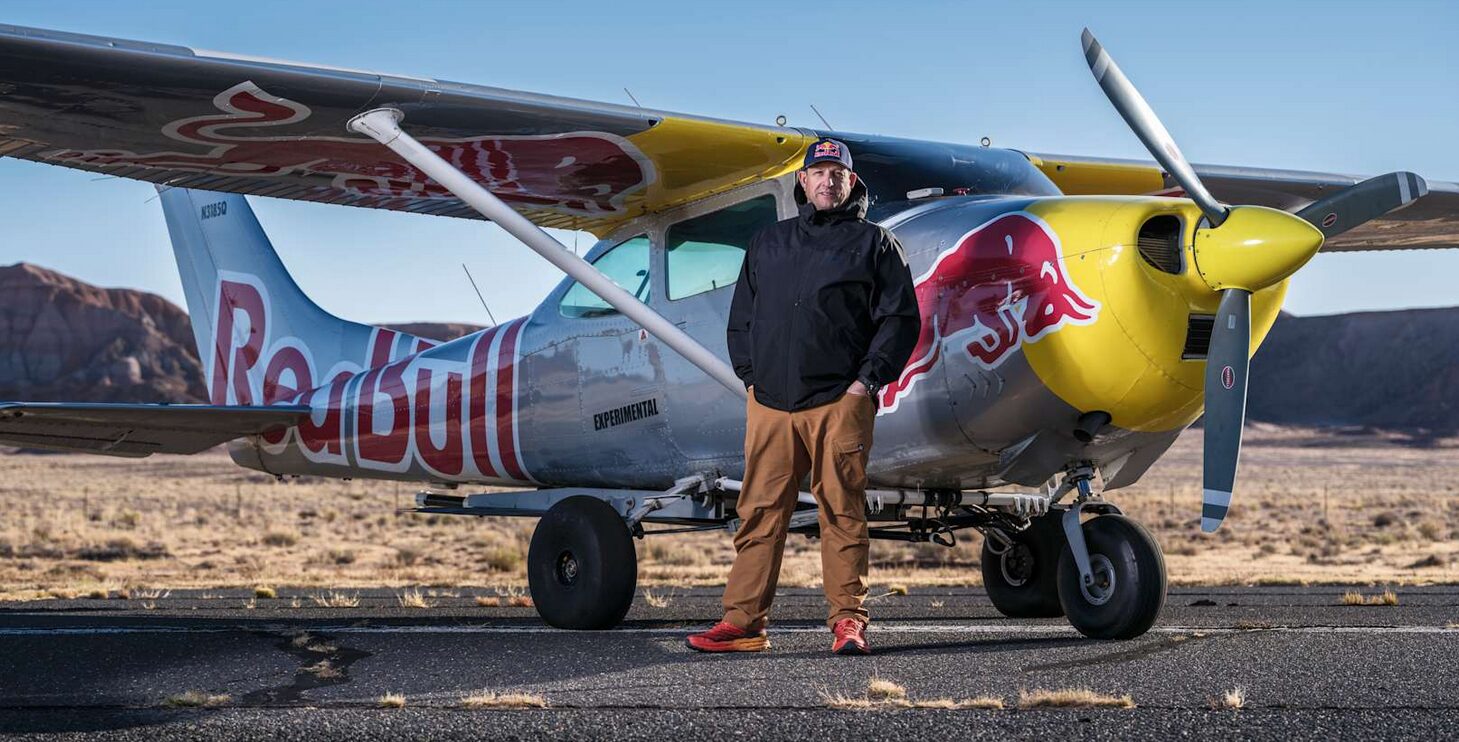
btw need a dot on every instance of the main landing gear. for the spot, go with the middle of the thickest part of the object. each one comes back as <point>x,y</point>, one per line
<point>581,566</point>
<point>1105,574</point>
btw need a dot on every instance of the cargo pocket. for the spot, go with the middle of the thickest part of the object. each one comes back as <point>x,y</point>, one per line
<point>850,463</point>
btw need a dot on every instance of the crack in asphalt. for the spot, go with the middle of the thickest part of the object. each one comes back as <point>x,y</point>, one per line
<point>340,659</point>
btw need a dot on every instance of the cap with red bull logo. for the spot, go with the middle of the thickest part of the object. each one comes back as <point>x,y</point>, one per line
<point>827,150</point>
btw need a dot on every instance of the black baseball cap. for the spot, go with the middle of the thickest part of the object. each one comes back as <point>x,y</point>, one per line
<point>826,149</point>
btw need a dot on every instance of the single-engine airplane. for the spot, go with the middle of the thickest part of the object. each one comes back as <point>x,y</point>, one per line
<point>1078,313</point>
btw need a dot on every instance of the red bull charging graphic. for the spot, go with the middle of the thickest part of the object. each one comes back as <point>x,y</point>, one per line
<point>582,173</point>
<point>1000,285</point>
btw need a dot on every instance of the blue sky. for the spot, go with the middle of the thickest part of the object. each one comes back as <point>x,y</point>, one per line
<point>1335,86</point>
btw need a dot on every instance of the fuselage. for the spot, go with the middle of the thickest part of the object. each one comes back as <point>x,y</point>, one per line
<point>1036,310</point>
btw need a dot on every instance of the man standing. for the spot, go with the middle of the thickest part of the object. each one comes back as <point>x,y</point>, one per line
<point>823,315</point>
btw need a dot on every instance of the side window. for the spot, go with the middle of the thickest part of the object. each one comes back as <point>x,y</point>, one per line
<point>705,252</point>
<point>626,264</point>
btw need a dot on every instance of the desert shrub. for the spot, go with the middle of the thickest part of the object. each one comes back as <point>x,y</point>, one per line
<point>280,538</point>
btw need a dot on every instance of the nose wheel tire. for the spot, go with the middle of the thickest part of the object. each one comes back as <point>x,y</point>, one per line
<point>1022,581</point>
<point>1128,590</point>
<point>582,567</point>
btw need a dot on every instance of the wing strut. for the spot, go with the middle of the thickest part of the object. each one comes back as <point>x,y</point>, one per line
<point>383,125</point>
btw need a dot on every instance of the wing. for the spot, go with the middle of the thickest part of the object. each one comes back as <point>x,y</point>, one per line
<point>136,430</point>
<point>1430,222</point>
<point>222,122</point>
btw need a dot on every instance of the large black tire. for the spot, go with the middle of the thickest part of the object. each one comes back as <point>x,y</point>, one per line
<point>1023,582</point>
<point>1129,573</point>
<point>582,567</point>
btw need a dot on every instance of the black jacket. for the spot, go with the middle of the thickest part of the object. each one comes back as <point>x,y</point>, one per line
<point>823,300</point>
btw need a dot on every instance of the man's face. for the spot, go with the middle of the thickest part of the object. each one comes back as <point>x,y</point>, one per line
<point>827,184</point>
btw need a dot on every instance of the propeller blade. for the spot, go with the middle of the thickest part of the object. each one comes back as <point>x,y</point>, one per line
<point>1147,127</point>
<point>1227,362</point>
<point>1363,202</point>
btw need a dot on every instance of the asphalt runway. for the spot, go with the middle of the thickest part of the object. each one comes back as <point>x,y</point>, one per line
<point>1309,669</point>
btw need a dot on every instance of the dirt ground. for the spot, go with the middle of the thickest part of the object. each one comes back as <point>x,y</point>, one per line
<point>1311,506</point>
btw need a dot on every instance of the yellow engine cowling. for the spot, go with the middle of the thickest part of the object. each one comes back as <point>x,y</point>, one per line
<point>1129,361</point>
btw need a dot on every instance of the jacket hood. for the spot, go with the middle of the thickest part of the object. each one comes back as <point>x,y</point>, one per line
<point>854,208</point>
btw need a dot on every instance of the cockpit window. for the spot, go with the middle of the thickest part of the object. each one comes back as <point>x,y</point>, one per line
<point>705,253</point>
<point>627,265</point>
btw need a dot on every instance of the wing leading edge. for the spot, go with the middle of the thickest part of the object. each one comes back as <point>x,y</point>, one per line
<point>136,430</point>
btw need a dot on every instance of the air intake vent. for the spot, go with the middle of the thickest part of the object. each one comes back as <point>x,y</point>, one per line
<point>1198,337</point>
<point>1159,243</point>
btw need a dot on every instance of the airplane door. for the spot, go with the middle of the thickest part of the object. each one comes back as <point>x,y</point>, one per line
<point>620,376</point>
<point>703,252</point>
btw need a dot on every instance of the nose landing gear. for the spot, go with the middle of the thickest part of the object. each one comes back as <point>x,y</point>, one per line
<point>1105,574</point>
<point>1127,589</point>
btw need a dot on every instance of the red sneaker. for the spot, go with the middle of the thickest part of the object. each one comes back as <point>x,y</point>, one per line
<point>727,637</point>
<point>849,637</point>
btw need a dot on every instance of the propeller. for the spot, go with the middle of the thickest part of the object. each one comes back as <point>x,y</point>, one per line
<point>1238,250</point>
<point>1364,202</point>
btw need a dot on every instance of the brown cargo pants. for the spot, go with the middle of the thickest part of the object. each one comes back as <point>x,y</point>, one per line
<point>832,443</point>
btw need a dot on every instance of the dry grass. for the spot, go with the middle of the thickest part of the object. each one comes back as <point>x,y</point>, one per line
<point>1072,698</point>
<point>1372,511</point>
<point>488,602</point>
<point>413,598</point>
<point>883,694</point>
<point>334,599</point>
<point>981,702</point>
<point>1386,598</point>
<point>1232,700</point>
<point>197,699</point>
<point>986,703</point>
<point>846,703</point>
<point>265,592</point>
<point>656,600</point>
<point>881,689</point>
<point>391,701</point>
<point>323,670</point>
<point>493,700</point>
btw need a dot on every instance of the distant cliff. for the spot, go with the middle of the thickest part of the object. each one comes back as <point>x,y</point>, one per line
<point>61,339</point>
<point>1378,369</point>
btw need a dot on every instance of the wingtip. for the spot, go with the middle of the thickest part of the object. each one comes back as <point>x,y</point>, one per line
<point>1087,38</point>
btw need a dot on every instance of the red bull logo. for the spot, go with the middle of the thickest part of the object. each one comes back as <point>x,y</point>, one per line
<point>1000,286</point>
<point>827,149</point>
<point>583,173</point>
<point>395,408</point>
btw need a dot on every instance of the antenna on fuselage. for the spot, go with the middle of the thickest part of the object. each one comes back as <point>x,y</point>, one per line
<point>478,294</point>
<point>822,118</point>
<point>630,97</point>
